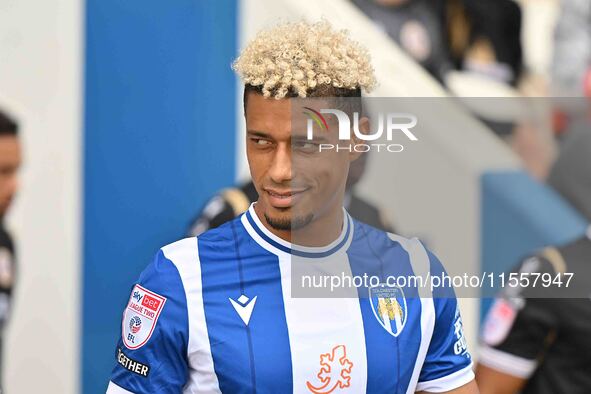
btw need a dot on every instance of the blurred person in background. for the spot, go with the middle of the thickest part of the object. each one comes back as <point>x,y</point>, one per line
<point>480,36</point>
<point>492,47</point>
<point>232,202</point>
<point>571,61</point>
<point>484,37</point>
<point>571,64</point>
<point>10,160</point>
<point>486,47</point>
<point>536,339</point>
<point>416,27</point>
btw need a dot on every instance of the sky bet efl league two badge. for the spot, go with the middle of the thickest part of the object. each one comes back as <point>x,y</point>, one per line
<point>140,316</point>
<point>389,307</point>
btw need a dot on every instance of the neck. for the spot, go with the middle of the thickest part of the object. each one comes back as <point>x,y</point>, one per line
<point>321,231</point>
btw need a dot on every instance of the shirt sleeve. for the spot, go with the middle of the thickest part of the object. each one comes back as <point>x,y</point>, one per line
<point>448,364</point>
<point>519,325</point>
<point>151,354</point>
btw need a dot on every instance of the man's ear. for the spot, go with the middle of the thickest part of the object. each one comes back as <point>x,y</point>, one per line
<point>363,129</point>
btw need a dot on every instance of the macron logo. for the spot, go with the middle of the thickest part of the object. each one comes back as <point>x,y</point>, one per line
<point>244,307</point>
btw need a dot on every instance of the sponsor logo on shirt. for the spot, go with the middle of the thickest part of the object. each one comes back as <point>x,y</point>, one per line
<point>461,345</point>
<point>140,316</point>
<point>131,364</point>
<point>335,371</point>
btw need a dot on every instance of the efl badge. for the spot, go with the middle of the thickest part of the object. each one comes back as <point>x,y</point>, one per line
<point>498,322</point>
<point>389,307</point>
<point>140,316</point>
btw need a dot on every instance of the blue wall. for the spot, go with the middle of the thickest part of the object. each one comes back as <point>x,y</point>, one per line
<point>159,138</point>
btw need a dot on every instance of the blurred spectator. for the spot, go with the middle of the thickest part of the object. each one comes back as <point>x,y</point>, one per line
<point>536,338</point>
<point>571,173</point>
<point>230,203</point>
<point>10,159</point>
<point>482,36</point>
<point>571,63</point>
<point>223,207</point>
<point>416,27</point>
<point>494,47</point>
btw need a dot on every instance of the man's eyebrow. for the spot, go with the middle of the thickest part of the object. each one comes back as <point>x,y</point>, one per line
<point>257,133</point>
<point>316,138</point>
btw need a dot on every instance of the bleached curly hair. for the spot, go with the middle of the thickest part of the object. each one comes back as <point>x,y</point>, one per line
<point>305,60</point>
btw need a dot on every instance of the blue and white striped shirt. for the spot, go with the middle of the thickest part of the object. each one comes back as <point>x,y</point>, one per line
<point>217,314</point>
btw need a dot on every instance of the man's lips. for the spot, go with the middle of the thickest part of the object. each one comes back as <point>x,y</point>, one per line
<point>284,198</point>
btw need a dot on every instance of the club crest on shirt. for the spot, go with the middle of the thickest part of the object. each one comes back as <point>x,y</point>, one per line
<point>140,316</point>
<point>389,307</point>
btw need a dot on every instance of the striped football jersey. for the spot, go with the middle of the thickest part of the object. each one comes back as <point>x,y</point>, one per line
<point>220,313</point>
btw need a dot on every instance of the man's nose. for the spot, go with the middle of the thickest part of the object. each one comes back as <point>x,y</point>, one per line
<point>281,168</point>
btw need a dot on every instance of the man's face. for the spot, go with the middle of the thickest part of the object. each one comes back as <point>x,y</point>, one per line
<point>10,160</point>
<point>296,183</point>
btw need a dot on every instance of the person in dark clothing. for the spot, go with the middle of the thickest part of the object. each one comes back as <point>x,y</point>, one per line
<point>495,25</point>
<point>10,159</point>
<point>230,203</point>
<point>416,27</point>
<point>536,338</point>
<point>481,36</point>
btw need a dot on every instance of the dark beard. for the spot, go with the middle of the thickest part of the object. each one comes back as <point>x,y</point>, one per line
<point>289,224</point>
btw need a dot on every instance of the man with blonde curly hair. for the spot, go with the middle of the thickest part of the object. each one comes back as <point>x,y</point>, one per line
<point>219,312</point>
